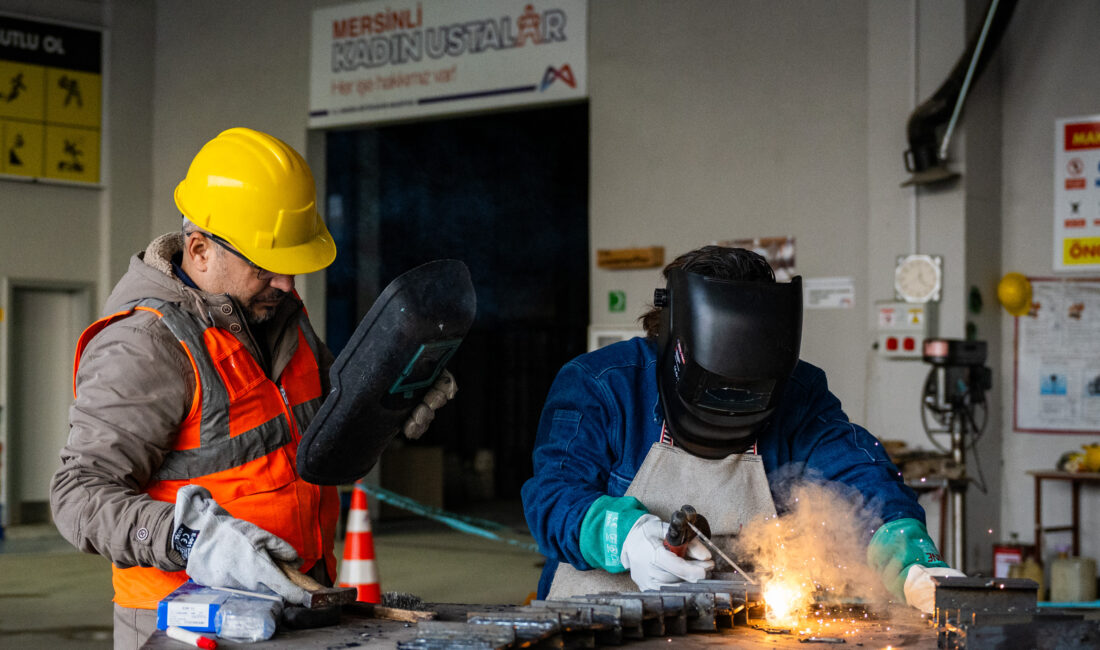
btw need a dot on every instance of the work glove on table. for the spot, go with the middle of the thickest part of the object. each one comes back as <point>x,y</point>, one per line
<point>652,565</point>
<point>223,551</point>
<point>442,391</point>
<point>920,591</point>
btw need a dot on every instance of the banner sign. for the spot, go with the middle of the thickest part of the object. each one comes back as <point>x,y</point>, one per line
<point>50,99</point>
<point>1077,194</point>
<point>380,61</point>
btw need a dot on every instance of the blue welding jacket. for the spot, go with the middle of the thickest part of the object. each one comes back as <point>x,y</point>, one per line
<point>603,413</point>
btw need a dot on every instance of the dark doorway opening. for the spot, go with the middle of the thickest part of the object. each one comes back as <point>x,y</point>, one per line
<point>506,193</point>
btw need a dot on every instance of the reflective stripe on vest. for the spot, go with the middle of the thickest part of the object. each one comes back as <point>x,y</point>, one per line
<point>236,442</point>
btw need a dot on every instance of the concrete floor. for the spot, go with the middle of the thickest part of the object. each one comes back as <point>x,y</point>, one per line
<point>52,596</point>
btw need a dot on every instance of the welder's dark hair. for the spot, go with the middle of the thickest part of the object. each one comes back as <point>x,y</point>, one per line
<point>720,262</point>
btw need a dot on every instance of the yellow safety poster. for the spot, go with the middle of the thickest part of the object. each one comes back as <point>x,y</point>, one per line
<point>51,78</point>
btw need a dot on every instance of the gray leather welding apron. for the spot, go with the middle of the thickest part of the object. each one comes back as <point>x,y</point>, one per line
<point>729,492</point>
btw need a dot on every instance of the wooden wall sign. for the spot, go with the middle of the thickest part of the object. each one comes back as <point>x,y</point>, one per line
<point>630,258</point>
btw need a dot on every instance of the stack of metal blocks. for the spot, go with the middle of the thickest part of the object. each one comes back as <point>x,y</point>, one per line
<point>598,620</point>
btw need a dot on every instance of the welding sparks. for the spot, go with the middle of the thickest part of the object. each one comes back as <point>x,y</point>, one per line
<point>812,562</point>
<point>784,602</point>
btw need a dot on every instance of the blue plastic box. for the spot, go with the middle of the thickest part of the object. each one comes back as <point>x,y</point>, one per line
<point>191,606</point>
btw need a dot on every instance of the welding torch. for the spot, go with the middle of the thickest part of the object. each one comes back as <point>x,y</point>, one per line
<point>685,525</point>
<point>680,533</point>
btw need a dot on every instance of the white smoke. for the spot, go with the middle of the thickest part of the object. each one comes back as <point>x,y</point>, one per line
<point>815,551</point>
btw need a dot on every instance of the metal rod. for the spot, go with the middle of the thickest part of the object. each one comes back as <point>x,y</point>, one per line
<point>966,81</point>
<point>958,493</point>
<point>709,544</point>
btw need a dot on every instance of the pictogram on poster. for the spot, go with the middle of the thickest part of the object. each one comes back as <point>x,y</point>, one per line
<point>50,99</point>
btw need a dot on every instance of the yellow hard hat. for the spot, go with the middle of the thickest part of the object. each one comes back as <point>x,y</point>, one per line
<point>1014,292</point>
<point>257,193</point>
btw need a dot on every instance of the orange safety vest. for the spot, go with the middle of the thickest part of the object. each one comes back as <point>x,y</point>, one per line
<point>239,441</point>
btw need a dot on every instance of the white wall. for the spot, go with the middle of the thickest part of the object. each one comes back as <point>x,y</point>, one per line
<point>1048,74</point>
<point>912,47</point>
<point>714,121</point>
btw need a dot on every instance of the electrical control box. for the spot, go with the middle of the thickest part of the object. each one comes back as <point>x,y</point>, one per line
<point>903,327</point>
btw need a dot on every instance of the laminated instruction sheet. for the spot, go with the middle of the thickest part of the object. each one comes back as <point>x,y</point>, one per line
<point>1057,387</point>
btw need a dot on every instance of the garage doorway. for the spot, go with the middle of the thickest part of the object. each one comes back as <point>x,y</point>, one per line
<point>43,322</point>
<point>506,193</point>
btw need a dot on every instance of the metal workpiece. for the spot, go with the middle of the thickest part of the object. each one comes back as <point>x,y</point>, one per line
<point>578,622</point>
<point>958,598</point>
<point>1028,632</point>
<point>700,609</point>
<point>1004,613</point>
<point>439,635</point>
<point>672,612</point>
<point>652,620</point>
<point>1040,634</point>
<point>747,598</point>
<point>732,583</point>
<point>631,611</point>
<point>726,603</point>
<point>530,628</point>
<point>605,621</point>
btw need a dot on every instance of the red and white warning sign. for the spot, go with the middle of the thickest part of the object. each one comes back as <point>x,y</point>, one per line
<point>1077,194</point>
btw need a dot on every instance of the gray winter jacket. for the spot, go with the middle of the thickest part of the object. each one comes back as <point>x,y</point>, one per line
<point>134,388</point>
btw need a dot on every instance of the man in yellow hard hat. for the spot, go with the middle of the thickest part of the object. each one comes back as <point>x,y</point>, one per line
<point>193,390</point>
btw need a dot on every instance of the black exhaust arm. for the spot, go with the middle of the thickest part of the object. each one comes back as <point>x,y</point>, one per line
<point>926,157</point>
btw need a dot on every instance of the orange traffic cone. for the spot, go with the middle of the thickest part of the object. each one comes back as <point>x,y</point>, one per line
<point>358,568</point>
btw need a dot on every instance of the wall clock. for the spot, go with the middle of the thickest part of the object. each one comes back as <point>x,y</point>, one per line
<point>918,278</point>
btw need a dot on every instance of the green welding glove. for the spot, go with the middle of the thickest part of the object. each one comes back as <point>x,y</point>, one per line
<point>906,559</point>
<point>441,392</point>
<point>619,534</point>
<point>604,531</point>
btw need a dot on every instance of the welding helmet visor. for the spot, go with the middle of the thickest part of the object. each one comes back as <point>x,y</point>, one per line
<point>725,351</point>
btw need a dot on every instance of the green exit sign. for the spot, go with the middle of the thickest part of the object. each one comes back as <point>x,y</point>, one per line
<point>616,300</point>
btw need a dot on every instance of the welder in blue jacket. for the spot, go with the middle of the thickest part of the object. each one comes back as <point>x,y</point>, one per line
<point>702,411</point>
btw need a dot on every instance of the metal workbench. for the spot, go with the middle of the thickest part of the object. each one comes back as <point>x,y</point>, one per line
<point>972,613</point>
<point>899,627</point>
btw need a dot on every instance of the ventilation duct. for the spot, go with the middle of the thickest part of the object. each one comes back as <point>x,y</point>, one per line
<point>926,158</point>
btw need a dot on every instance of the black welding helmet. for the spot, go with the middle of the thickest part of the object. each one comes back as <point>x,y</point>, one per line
<point>725,351</point>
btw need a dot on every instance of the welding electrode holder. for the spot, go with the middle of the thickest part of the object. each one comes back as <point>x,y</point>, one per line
<point>680,534</point>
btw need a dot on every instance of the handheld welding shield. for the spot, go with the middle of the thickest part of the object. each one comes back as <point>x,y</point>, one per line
<point>725,351</point>
<point>384,371</point>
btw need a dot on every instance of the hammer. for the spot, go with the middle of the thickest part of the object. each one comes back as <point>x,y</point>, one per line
<point>318,595</point>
